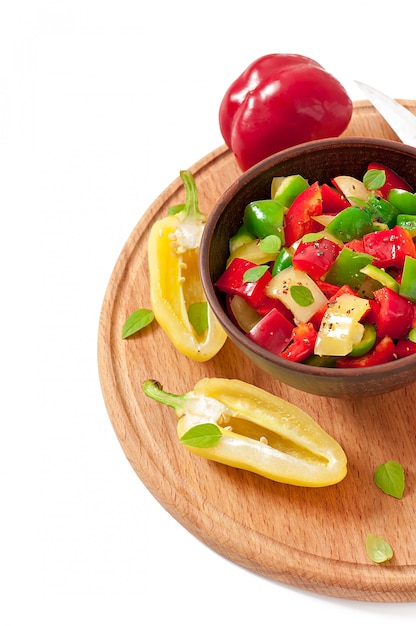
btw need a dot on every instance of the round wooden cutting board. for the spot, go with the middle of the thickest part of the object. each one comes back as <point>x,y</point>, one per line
<point>313,539</point>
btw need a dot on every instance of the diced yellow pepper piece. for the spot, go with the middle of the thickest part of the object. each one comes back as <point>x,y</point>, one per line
<point>340,328</point>
<point>283,286</point>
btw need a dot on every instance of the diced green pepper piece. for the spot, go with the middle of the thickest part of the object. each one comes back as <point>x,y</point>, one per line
<point>408,222</point>
<point>321,361</point>
<point>382,210</point>
<point>380,275</point>
<point>412,334</point>
<point>408,282</point>
<point>241,237</point>
<point>367,341</point>
<point>286,188</point>
<point>351,223</point>
<point>283,260</point>
<point>254,252</point>
<point>404,201</point>
<point>264,217</point>
<point>368,287</point>
<point>346,270</point>
<point>379,226</point>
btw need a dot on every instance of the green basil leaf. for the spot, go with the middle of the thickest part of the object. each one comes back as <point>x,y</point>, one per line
<point>301,295</point>
<point>374,179</point>
<point>136,321</point>
<point>377,549</point>
<point>198,316</point>
<point>271,244</point>
<point>313,236</point>
<point>202,436</point>
<point>254,273</point>
<point>389,477</point>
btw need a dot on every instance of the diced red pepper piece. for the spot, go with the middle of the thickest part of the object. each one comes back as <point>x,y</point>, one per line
<point>302,343</point>
<point>274,303</point>
<point>315,257</point>
<point>389,247</point>
<point>299,220</point>
<point>345,289</point>
<point>332,201</point>
<point>393,180</point>
<point>383,352</point>
<point>373,312</point>
<point>328,289</point>
<point>396,313</point>
<point>355,244</point>
<point>405,347</point>
<point>232,281</point>
<point>273,332</point>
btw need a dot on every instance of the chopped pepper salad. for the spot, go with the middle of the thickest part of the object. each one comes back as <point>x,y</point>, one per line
<point>325,274</point>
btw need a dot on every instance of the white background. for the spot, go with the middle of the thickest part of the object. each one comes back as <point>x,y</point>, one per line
<point>101,104</point>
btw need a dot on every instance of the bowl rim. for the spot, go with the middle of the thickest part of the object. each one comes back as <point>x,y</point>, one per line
<point>233,332</point>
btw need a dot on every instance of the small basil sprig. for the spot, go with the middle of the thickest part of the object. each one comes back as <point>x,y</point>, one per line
<point>202,436</point>
<point>271,244</point>
<point>198,316</point>
<point>378,549</point>
<point>136,321</point>
<point>254,273</point>
<point>389,477</point>
<point>374,179</point>
<point>302,295</point>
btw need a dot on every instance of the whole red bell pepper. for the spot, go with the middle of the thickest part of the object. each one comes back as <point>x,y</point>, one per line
<point>279,101</point>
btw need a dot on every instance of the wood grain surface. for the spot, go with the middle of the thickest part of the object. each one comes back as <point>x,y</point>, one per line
<point>313,539</point>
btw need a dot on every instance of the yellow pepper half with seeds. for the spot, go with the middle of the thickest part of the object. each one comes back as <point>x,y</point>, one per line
<point>177,296</point>
<point>241,425</point>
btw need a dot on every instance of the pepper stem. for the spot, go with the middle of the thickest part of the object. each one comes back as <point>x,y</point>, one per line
<point>153,389</point>
<point>191,206</point>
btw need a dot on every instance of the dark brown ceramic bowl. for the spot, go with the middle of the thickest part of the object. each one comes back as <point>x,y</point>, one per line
<point>319,160</point>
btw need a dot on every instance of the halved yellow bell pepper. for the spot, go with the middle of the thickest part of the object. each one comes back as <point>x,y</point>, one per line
<point>254,430</point>
<point>175,283</point>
